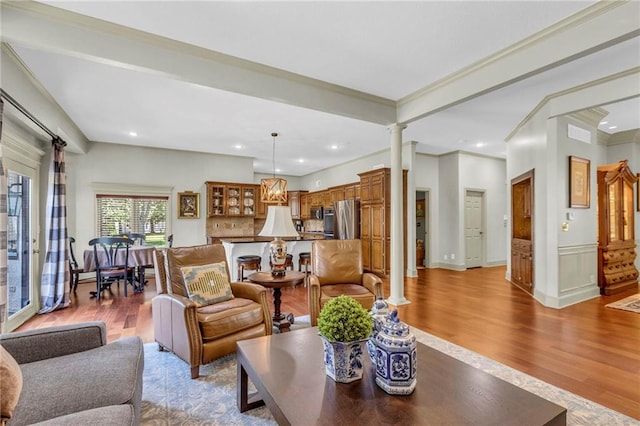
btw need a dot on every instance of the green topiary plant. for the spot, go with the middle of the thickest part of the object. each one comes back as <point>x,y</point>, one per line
<point>343,319</point>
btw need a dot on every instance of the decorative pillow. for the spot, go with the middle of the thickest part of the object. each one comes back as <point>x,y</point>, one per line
<point>207,284</point>
<point>10,384</point>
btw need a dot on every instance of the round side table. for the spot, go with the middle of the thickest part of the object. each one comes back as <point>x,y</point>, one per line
<point>282,320</point>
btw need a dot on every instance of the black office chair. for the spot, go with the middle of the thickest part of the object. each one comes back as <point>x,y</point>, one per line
<point>74,269</point>
<point>111,256</point>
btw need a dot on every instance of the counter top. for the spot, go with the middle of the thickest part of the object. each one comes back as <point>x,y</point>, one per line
<point>258,239</point>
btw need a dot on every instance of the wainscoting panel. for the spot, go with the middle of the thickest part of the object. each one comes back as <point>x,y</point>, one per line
<point>577,273</point>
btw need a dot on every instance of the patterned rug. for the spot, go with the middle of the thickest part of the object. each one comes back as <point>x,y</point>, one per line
<point>631,303</point>
<point>171,397</point>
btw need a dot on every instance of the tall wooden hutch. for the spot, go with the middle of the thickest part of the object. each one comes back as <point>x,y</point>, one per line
<point>616,239</point>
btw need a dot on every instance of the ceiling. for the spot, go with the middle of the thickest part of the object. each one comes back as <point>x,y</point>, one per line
<point>380,52</point>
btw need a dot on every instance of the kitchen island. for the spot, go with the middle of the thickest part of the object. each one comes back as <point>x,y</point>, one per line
<point>244,246</point>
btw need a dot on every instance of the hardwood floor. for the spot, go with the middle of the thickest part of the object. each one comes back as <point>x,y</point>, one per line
<point>586,349</point>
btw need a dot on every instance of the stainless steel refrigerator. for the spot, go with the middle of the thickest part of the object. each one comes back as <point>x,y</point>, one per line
<point>347,220</point>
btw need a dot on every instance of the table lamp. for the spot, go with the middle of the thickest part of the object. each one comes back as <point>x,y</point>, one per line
<point>279,224</point>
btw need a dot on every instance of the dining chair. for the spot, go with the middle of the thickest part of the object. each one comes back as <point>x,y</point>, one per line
<point>138,239</point>
<point>111,256</point>
<point>74,269</point>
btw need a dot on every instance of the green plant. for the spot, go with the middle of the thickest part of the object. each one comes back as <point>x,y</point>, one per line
<point>343,319</point>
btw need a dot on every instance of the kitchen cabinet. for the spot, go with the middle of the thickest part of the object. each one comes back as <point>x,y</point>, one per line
<point>231,199</point>
<point>326,200</point>
<point>337,194</point>
<point>295,203</point>
<point>375,219</point>
<point>216,196</point>
<point>305,206</point>
<point>350,192</point>
<point>616,231</point>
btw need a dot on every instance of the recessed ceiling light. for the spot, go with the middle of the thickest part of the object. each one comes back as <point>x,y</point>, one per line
<point>602,123</point>
<point>238,146</point>
<point>334,147</point>
<point>300,160</point>
<point>613,127</point>
<point>278,170</point>
<point>134,134</point>
<point>479,145</point>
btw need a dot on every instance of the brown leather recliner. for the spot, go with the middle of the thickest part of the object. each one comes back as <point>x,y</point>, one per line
<point>202,334</point>
<point>336,269</point>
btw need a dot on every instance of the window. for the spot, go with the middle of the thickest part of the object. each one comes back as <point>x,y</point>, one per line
<point>119,214</point>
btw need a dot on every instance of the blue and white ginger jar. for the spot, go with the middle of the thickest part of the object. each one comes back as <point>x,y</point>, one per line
<point>379,313</point>
<point>343,362</point>
<point>396,357</point>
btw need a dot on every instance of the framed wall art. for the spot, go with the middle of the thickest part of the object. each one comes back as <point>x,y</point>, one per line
<point>579,185</point>
<point>188,205</point>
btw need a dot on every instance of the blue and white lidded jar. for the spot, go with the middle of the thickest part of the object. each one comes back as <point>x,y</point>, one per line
<point>396,357</point>
<point>379,312</point>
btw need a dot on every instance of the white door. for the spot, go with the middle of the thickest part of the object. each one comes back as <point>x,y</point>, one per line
<point>473,229</point>
<point>22,245</point>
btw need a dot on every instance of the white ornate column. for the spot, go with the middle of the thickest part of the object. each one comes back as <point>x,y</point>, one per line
<point>396,277</point>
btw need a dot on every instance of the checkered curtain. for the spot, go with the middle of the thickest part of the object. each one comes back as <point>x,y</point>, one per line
<point>55,273</point>
<point>3,234</point>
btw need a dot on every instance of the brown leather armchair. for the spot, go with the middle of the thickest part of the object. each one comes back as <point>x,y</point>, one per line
<point>201,334</point>
<point>336,268</point>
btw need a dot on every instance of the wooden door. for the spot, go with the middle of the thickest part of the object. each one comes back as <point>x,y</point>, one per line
<point>522,260</point>
<point>474,243</point>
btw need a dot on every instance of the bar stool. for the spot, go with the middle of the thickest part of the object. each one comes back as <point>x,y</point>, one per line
<point>288,263</point>
<point>304,259</point>
<point>249,262</point>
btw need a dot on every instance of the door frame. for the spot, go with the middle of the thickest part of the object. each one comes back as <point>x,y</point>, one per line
<point>23,158</point>
<point>483,225</point>
<point>427,225</point>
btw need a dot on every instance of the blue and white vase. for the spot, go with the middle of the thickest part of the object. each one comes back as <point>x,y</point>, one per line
<point>379,312</point>
<point>343,362</point>
<point>396,357</point>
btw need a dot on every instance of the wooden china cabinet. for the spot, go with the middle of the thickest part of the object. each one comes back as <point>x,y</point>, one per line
<point>616,239</point>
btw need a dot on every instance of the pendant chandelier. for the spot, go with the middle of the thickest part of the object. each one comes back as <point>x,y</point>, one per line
<point>273,190</point>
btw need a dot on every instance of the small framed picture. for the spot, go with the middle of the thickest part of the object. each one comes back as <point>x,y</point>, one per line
<point>579,172</point>
<point>188,205</point>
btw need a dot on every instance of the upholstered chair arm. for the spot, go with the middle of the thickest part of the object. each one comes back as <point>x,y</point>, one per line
<point>35,345</point>
<point>258,294</point>
<point>313,295</point>
<point>175,326</point>
<point>373,283</point>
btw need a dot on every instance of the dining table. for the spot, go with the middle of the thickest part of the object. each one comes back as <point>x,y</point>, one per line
<point>140,257</point>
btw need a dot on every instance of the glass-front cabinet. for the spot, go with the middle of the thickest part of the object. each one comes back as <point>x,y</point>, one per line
<point>616,235</point>
<point>216,197</point>
<point>230,200</point>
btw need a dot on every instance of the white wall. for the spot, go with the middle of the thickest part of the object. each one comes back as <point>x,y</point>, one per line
<point>488,175</point>
<point>124,164</point>
<point>449,211</point>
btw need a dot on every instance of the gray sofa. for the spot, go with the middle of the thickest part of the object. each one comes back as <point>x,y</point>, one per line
<point>71,376</point>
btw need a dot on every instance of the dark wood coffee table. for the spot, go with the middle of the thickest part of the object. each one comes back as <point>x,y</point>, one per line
<point>288,372</point>
<point>281,320</point>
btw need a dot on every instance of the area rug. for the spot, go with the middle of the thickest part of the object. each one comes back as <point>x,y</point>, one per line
<point>171,397</point>
<point>631,303</point>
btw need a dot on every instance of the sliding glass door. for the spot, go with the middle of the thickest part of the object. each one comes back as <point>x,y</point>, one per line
<point>22,247</point>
